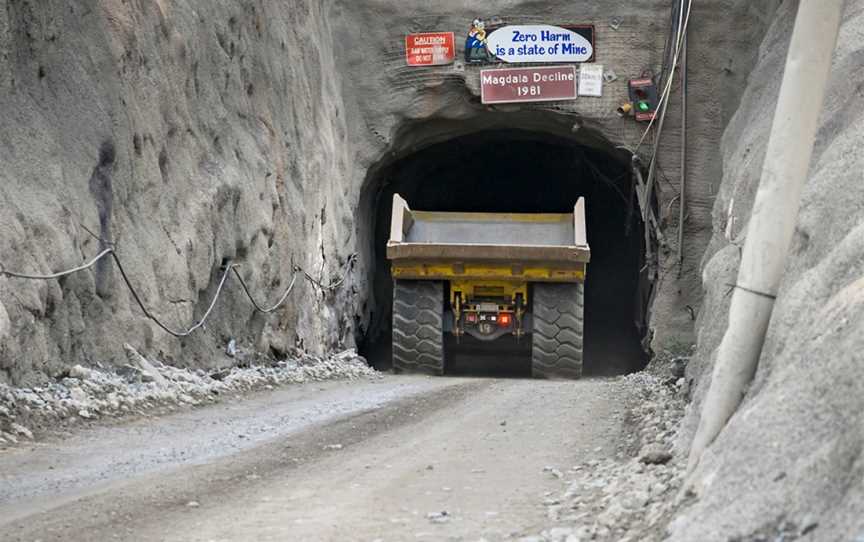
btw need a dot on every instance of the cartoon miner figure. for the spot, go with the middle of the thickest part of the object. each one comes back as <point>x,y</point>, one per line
<point>475,43</point>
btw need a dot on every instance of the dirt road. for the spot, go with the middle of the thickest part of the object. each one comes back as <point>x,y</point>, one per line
<point>400,458</point>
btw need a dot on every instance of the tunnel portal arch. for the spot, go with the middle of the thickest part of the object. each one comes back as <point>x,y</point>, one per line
<point>517,163</point>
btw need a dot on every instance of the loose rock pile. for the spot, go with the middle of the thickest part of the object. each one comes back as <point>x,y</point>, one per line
<point>630,497</point>
<point>143,386</point>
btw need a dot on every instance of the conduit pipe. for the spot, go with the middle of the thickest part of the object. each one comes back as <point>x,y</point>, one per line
<point>775,213</point>
<point>682,196</point>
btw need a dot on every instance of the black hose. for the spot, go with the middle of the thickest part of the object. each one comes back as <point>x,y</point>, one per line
<point>228,268</point>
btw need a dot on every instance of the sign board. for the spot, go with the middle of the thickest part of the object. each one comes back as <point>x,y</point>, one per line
<point>591,80</point>
<point>542,43</point>
<point>536,84</point>
<point>430,49</point>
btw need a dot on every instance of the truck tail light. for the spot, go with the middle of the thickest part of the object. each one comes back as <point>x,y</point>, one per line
<point>504,319</point>
<point>471,317</point>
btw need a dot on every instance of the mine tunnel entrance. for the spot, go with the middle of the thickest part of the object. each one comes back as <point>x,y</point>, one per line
<point>507,170</point>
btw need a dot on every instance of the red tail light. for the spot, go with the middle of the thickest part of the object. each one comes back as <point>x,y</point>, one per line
<point>504,319</point>
<point>471,317</point>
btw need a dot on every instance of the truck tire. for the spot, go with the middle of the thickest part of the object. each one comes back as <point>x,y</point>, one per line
<point>556,341</point>
<point>418,327</point>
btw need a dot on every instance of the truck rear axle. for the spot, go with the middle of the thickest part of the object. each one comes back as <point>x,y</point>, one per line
<point>487,310</point>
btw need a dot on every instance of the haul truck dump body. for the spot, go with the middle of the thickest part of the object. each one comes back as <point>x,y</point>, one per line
<point>488,275</point>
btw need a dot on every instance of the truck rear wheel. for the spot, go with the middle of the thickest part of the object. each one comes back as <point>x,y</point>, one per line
<point>418,327</point>
<point>556,344</point>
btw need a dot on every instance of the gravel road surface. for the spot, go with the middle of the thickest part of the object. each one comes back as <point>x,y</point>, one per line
<point>395,458</point>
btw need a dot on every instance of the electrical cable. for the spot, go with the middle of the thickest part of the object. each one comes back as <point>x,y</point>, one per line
<point>664,97</point>
<point>178,334</point>
<point>666,73</point>
<point>333,285</point>
<point>258,307</point>
<point>61,274</point>
<point>228,269</point>
<point>648,187</point>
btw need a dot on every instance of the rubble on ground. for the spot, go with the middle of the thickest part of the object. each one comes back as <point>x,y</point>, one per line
<point>629,497</point>
<point>143,386</point>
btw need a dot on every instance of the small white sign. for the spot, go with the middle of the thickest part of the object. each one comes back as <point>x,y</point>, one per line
<point>591,80</point>
<point>538,43</point>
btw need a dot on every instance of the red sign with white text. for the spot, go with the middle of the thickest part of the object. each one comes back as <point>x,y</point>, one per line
<point>430,49</point>
<point>515,85</point>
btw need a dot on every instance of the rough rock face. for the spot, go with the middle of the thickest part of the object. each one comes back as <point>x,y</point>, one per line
<point>192,133</point>
<point>185,133</point>
<point>791,460</point>
<point>400,110</point>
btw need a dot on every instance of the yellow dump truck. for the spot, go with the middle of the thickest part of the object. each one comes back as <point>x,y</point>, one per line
<point>488,275</point>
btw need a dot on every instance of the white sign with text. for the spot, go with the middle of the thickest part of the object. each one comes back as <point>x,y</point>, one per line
<point>538,43</point>
<point>591,80</point>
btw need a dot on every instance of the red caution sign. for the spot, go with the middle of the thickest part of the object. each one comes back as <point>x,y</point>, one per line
<point>430,49</point>
<point>541,84</point>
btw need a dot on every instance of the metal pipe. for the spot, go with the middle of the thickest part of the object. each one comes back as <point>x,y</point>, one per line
<point>682,197</point>
<point>774,216</point>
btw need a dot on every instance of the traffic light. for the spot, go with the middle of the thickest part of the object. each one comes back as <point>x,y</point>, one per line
<point>643,96</point>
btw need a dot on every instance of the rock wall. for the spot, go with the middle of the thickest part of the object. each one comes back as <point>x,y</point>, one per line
<point>790,460</point>
<point>184,133</point>
<point>190,133</point>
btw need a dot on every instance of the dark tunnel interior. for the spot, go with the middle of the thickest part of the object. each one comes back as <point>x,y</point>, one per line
<point>525,172</point>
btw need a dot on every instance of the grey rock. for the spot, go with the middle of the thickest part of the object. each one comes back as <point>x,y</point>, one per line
<point>553,471</point>
<point>635,500</point>
<point>78,395</point>
<point>678,367</point>
<point>79,372</point>
<point>438,517</point>
<point>584,532</point>
<point>113,401</point>
<point>558,534</point>
<point>659,488</point>
<point>654,454</point>
<point>149,373</point>
<point>21,431</point>
<point>5,324</point>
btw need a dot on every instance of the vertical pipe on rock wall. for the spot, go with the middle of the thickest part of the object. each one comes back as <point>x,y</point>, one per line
<point>774,215</point>
<point>682,196</point>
